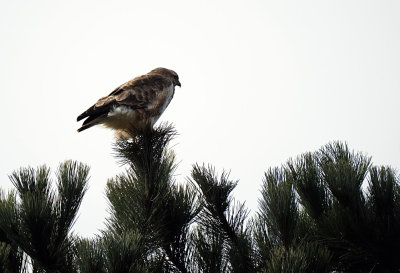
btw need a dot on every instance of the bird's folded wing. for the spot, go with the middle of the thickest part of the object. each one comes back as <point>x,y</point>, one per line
<point>138,93</point>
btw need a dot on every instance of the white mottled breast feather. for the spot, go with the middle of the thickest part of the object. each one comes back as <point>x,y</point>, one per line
<point>168,98</point>
<point>120,117</point>
<point>122,111</point>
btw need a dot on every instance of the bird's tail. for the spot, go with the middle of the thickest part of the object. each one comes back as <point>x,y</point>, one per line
<point>91,121</point>
<point>84,127</point>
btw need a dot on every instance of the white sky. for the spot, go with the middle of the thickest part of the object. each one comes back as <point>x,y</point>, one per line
<point>262,81</point>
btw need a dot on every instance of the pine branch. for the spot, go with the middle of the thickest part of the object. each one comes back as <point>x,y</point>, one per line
<point>90,256</point>
<point>36,223</point>
<point>5,250</point>
<point>124,253</point>
<point>344,172</point>
<point>146,200</point>
<point>279,207</point>
<point>263,245</point>
<point>304,258</point>
<point>138,197</point>
<point>217,201</point>
<point>180,212</point>
<point>308,180</point>
<point>176,261</point>
<point>382,190</point>
<point>11,255</point>
<point>71,185</point>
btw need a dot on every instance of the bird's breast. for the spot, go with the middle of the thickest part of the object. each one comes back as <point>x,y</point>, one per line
<point>122,118</point>
<point>166,99</point>
<point>122,112</point>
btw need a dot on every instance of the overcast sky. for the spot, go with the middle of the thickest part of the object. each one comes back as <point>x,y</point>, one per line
<point>262,81</point>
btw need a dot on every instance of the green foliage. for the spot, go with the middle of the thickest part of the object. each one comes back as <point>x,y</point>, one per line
<point>4,254</point>
<point>279,207</point>
<point>11,256</point>
<point>220,216</point>
<point>90,256</point>
<point>327,211</point>
<point>146,200</point>
<point>303,258</point>
<point>210,251</point>
<point>37,220</point>
<point>358,228</point>
<point>283,233</point>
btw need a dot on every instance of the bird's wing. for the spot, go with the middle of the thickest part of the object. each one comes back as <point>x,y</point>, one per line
<point>138,93</point>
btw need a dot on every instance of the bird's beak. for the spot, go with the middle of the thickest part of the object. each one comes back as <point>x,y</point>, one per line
<point>179,84</point>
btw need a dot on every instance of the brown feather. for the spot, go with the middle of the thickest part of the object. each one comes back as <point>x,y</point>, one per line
<point>138,102</point>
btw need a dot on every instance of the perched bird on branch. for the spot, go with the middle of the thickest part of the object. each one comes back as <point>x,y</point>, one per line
<point>134,105</point>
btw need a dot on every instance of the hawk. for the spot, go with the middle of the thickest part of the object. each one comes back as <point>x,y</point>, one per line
<point>136,104</point>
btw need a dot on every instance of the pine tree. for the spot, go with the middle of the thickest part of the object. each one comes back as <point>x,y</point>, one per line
<point>359,228</point>
<point>314,215</point>
<point>36,221</point>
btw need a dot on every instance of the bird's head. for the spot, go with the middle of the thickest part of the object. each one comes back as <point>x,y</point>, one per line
<point>172,75</point>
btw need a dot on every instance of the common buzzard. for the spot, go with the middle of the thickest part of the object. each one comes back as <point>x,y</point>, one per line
<point>135,104</point>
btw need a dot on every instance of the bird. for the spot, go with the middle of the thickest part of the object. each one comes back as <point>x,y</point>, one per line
<point>134,105</point>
